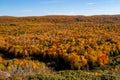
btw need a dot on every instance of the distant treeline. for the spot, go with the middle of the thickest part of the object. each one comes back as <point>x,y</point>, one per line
<point>63,19</point>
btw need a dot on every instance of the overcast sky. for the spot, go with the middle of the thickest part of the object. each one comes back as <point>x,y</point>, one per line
<point>58,7</point>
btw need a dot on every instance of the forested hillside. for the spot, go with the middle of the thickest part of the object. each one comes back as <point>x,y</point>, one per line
<point>48,44</point>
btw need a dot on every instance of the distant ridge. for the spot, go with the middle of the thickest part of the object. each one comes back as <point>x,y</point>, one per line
<point>61,15</point>
<point>63,19</point>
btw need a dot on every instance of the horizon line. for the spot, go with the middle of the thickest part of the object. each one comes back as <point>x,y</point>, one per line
<point>59,15</point>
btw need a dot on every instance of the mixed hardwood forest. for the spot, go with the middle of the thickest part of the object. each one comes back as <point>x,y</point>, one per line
<point>48,44</point>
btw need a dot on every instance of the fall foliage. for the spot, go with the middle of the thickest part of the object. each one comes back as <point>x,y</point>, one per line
<point>76,42</point>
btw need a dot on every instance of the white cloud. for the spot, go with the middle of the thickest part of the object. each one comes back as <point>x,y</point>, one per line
<point>27,11</point>
<point>91,3</point>
<point>59,13</point>
<point>46,12</point>
<point>51,1</point>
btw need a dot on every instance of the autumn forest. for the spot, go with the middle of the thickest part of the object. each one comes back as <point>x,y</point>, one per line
<point>57,47</point>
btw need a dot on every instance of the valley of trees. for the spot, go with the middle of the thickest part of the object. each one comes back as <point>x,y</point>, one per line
<point>48,44</point>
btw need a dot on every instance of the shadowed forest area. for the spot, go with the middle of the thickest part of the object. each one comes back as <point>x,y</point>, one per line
<point>60,47</point>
